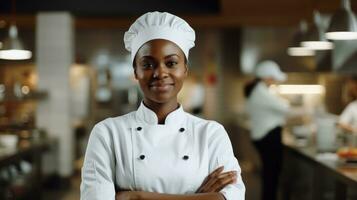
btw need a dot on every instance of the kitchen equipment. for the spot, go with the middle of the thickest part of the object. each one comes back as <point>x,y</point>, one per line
<point>302,134</point>
<point>8,141</point>
<point>325,133</point>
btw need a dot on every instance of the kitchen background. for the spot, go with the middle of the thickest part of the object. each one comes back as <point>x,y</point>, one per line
<point>80,73</point>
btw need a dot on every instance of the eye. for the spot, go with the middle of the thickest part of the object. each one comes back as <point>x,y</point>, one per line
<point>147,65</point>
<point>171,63</point>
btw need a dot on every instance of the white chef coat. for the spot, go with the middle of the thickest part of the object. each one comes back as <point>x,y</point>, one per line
<point>349,115</point>
<point>134,152</point>
<point>266,111</point>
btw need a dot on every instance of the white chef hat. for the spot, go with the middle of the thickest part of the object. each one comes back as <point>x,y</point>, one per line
<point>270,69</point>
<point>159,25</point>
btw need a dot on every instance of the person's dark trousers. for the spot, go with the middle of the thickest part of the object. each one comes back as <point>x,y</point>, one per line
<point>271,153</point>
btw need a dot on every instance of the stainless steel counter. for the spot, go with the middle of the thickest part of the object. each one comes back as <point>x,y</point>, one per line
<point>328,164</point>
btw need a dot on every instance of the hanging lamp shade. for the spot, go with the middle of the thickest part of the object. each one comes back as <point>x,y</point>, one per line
<point>315,38</point>
<point>294,48</point>
<point>343,25</point>
<point>13,48</point>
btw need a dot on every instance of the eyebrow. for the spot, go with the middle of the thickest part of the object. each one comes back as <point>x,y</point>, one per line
<point>150,57</point>
<point>171,55</point>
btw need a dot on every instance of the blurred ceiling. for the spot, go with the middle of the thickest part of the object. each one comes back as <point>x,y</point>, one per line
<point>200,13</point>
<point>113,8</point>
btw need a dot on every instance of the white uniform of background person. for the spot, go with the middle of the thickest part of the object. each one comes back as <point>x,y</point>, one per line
<point>267,112</point>
<point>134,152</point>
<point>348,118</point>
<point>349,115</point>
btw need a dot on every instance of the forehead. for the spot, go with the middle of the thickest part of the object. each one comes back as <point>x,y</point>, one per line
<point>159,48</point>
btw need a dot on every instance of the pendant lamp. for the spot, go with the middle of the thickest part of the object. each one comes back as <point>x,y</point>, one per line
<point>315,38</point>
<point>343,25</point>
<point>294,48</point>
<point>13,48</point>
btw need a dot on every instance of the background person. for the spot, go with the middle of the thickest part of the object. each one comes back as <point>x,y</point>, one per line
<point>267,114</point>
<point>348,118</point>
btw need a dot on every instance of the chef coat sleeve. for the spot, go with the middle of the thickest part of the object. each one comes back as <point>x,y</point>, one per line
<point>347,115</point>
<point>221,153</point>
<point>275,103</point>
<point>98,167</point>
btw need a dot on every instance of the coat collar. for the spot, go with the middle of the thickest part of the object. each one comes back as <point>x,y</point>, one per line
<point>146,115</point>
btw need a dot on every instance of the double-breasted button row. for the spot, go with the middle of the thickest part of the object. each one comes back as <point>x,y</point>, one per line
<point>140,128</point>
<point>185,157</point>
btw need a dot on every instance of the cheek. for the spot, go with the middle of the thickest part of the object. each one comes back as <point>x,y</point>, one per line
<point>143,84</point>
<point>138,74</point>
<point>180,78</point>
<point>142,80</point>
<point>142,76</point>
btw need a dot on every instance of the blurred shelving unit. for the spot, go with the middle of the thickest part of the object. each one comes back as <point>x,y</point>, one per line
<point>20,168</point>
<point>22,144</point>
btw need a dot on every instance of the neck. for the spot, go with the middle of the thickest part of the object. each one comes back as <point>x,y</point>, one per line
<point>161,109</point>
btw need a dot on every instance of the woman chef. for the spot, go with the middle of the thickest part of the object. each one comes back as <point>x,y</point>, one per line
<point>159,151</point>
<point>267,114</point>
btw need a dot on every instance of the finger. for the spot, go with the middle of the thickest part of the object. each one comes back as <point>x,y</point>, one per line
<point>213,174</point>
<point>207,187</point>
<point>218,169</point>
<point>223,182</point>
<point>216,172</point>
<point>226,174</point>
<point>220,181</point>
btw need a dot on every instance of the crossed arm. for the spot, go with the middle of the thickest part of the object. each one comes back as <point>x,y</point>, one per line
<point>99,164</point>
<point>346,127</point>
<point>209,189</point>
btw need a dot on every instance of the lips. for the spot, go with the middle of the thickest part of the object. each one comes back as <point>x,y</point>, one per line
<point>161,87</point>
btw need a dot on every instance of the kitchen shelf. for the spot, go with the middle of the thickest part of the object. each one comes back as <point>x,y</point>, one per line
<point>33,96</point>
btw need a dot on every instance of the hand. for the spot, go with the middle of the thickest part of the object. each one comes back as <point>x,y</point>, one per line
<point>127,195</point>
<point>217,181</point>
<point>122,195</point>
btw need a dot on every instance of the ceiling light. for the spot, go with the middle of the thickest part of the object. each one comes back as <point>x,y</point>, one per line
<point>295,49</point>
<point>315,38</point>
<point>13,48</point>
<point>343,25</point>
<point>301,89</point>
<point>300,51</point>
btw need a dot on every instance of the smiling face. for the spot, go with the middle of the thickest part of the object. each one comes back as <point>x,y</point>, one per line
<point>160,68</point>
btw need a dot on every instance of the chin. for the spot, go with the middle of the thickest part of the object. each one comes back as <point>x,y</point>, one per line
<point>161,98</point>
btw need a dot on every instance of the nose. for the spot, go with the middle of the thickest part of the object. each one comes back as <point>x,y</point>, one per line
<point>160,71</point>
